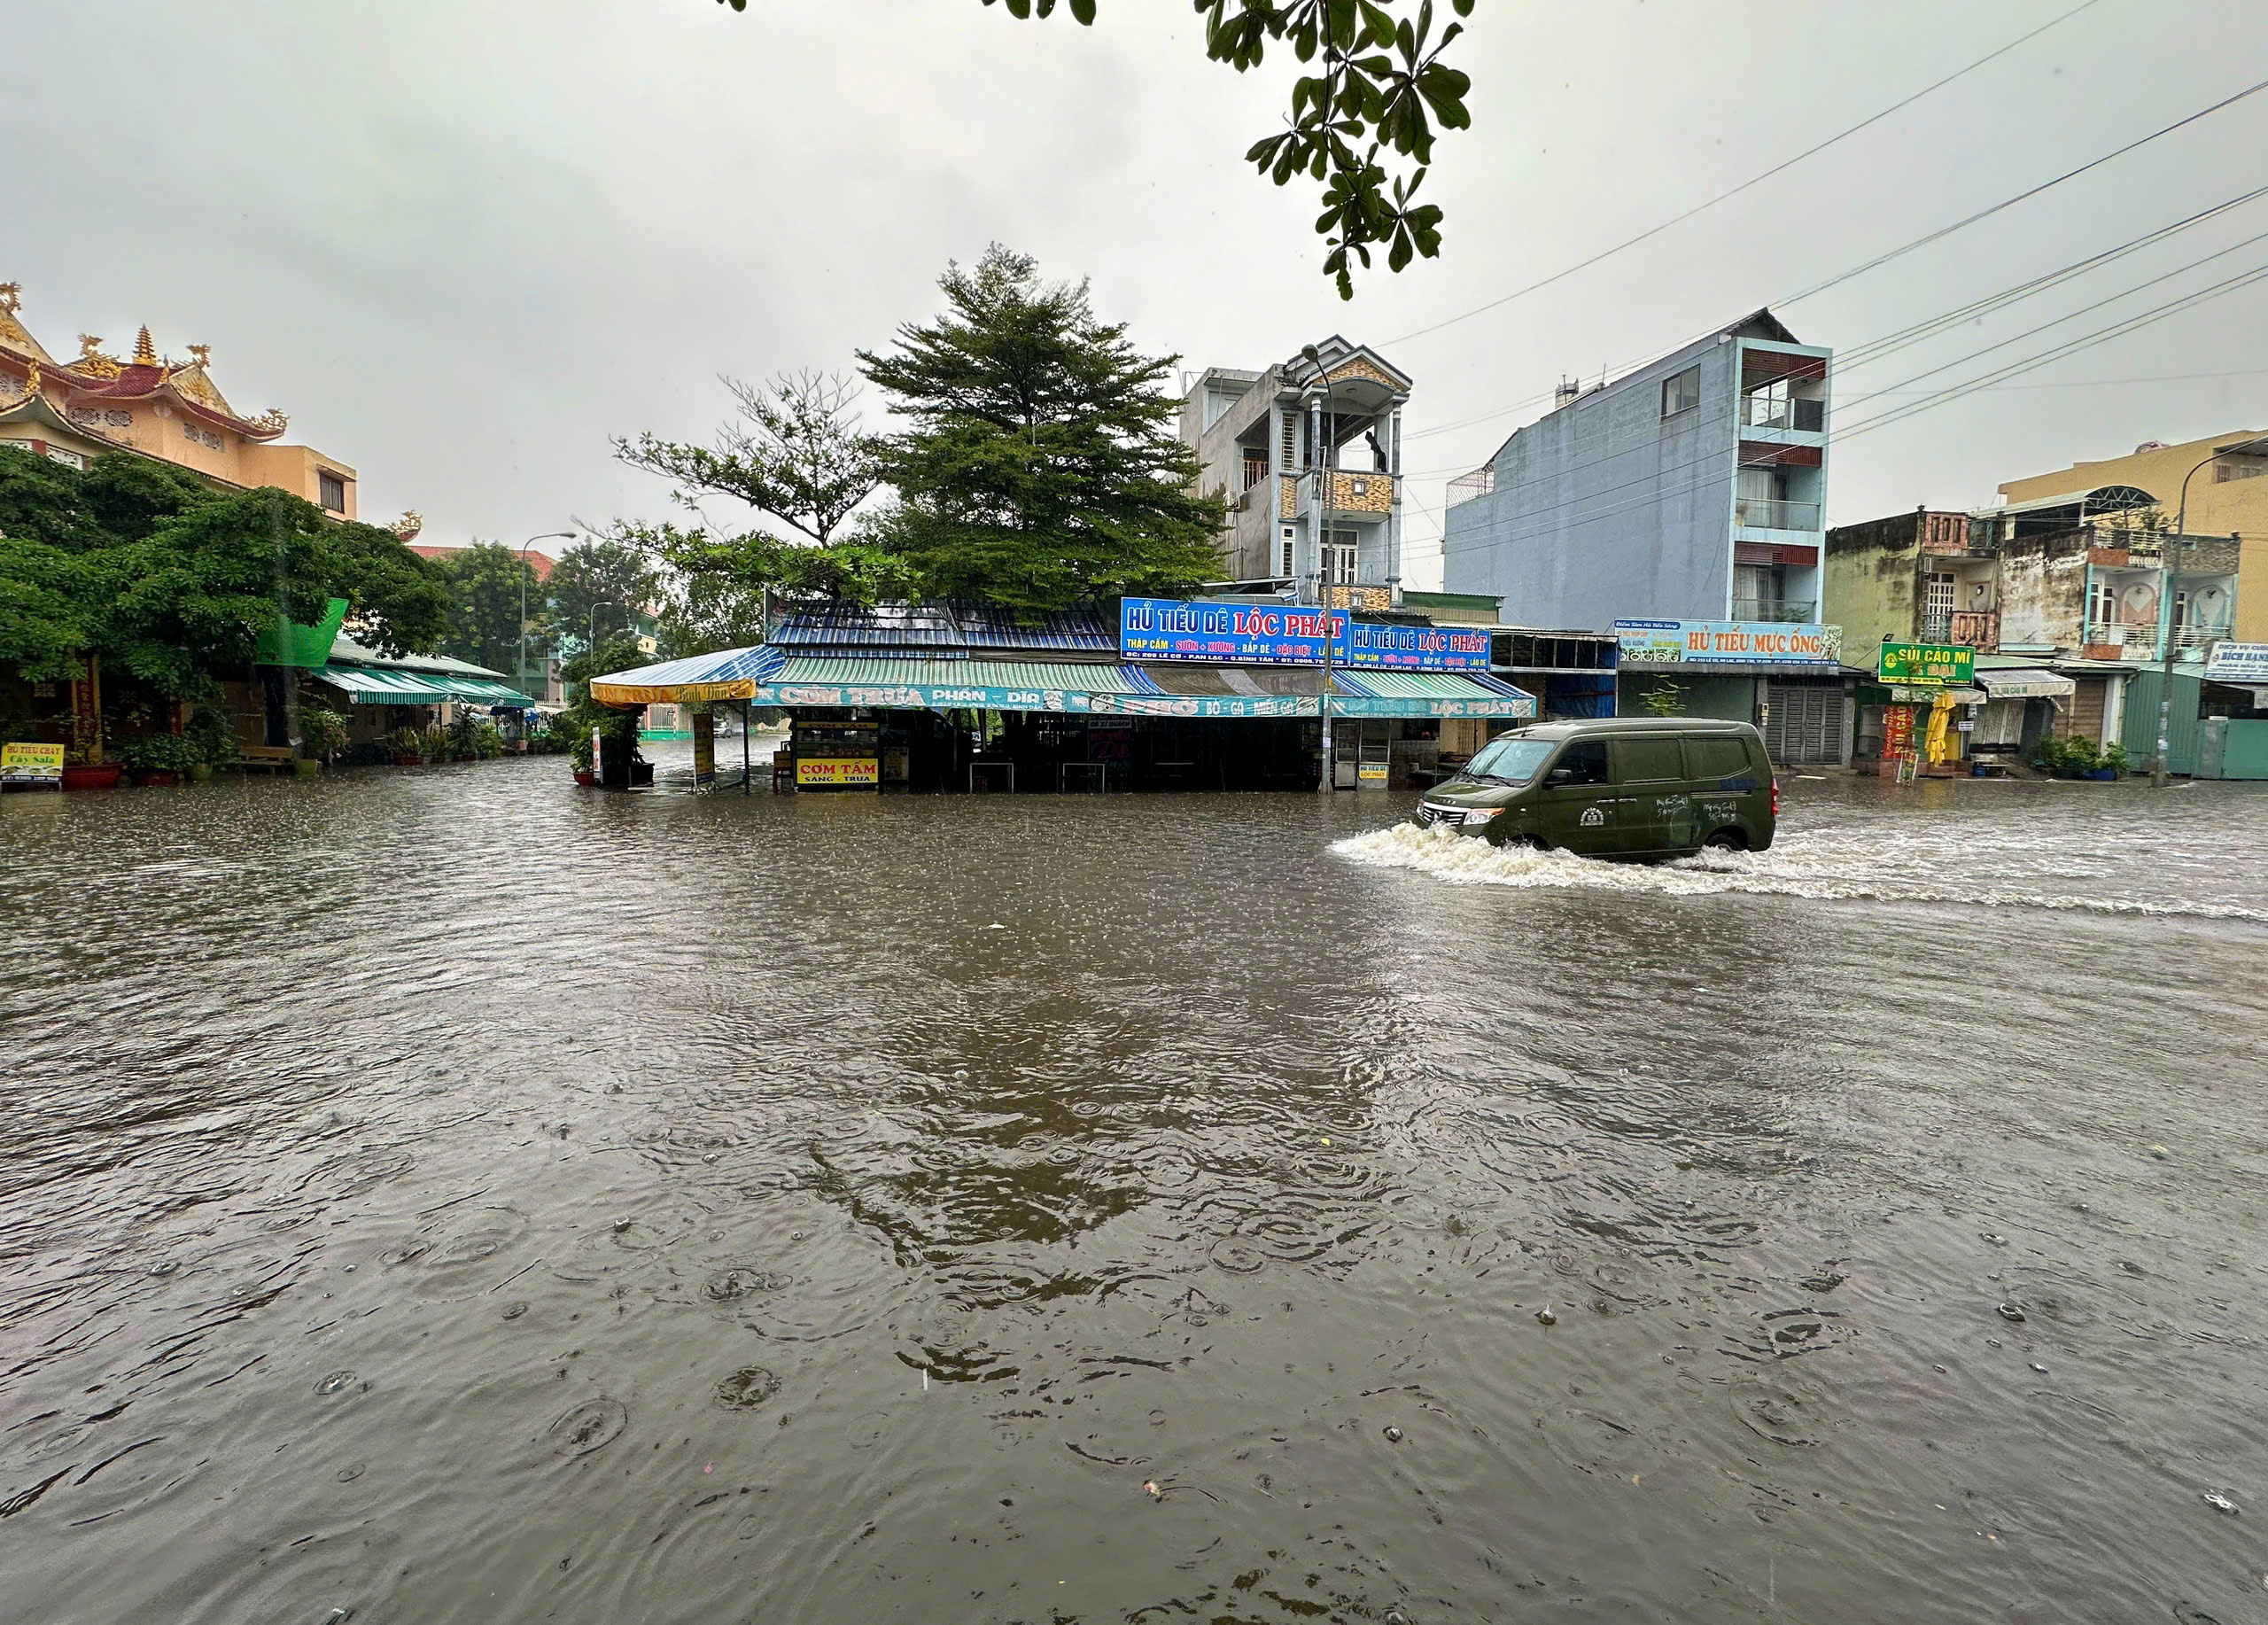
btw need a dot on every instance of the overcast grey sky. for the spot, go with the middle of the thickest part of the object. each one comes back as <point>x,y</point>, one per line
<point>464,243</point>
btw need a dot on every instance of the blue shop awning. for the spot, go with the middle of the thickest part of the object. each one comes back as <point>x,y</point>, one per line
<point>1364,692</point>
<point>727,674</point>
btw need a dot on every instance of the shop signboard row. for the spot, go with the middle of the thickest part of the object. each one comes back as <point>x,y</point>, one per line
<point>2237,663</point>
<point>1077,702</point>
<point>1289,634</point>
<point>1727,643</point>
<point>1927,663</point>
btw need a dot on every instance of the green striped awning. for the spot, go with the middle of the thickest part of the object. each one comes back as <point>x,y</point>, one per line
<point>386,685</point>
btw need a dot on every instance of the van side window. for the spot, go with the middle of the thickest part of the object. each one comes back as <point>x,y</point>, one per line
<point>1720,758</point>
<point>1584,762</point>
<point>1645,760</point>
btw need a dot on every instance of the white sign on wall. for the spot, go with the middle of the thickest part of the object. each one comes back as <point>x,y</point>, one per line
<point>2237,663</point>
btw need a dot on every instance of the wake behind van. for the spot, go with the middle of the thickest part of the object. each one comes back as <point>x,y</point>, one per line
<point>1627,787</point>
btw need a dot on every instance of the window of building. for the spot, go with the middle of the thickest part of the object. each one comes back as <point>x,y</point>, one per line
<point>1682,392</point>
<point>1338,559</point>
<point>1584,762</point>
<point>1937,594</point>
<point>2103,603</point>
<point>2238,468</point>
<point>1284,543</point>
<point>1291,438</point>
<point>1647,760</point>
<point>333,490</point>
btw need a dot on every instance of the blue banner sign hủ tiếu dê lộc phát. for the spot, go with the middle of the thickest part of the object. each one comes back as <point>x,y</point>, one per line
<point>1289,634</point>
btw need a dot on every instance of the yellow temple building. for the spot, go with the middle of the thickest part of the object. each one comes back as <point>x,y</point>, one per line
<point>76,410</point>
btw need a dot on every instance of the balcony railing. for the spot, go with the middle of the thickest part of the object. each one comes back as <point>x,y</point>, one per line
<point>1762,411</point>
<point>1765,513</point>
<point>1790,610</point>
<point>1977,628</point>
<point>2135,642</point>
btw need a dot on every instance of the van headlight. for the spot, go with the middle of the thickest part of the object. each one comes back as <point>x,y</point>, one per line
<point>1481,815</point>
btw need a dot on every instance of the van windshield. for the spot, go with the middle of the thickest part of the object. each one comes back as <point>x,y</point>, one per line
<point>1509,760</point>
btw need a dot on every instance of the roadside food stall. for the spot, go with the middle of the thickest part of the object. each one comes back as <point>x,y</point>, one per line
<point>1198,695</point>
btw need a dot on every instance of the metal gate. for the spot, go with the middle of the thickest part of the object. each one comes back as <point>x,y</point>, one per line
<point>1807,723</point>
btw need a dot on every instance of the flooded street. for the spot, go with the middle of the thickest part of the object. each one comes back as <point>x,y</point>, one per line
<point>449,1196</point>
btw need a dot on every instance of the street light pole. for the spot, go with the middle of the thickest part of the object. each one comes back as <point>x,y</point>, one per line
<point>1328,480</point>
<point>2158,763</point>
<point>547,536</point>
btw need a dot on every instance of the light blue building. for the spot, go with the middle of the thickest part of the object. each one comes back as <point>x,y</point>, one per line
<point>1691,489</point>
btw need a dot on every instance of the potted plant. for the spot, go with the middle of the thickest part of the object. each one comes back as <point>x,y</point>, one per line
<point>86,770</point>
<point>2116,763</point>
<point>491,739</point>
<point>435,743</point>
<point>579,756</point>
<point>157,759</point>
<point>464,737</point>
<point>408,746</point>
<point>322,735</point>
<point>212,741</point>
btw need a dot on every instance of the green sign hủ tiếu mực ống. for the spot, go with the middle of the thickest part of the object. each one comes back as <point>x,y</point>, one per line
<point>1927,663</point>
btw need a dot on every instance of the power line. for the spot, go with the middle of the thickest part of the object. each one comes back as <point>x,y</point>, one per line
<point>1880,260</point>
<point>2117,330</point>
<point>1879,349</point>
<point>1874,349</point>
<point>1652,231</point>
<point>1945,231</point>
<point>1898,413</point>
<point>1916,378</point>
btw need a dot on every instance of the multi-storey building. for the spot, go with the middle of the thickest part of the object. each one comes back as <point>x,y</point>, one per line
<point>1690,490</point>
<point>1265,441</point>
<point>76,410</point>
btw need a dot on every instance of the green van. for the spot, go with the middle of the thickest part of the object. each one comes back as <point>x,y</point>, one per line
<point>1628,786</point>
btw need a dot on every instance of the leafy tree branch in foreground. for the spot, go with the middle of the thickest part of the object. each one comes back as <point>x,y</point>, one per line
<point>1361,121</point>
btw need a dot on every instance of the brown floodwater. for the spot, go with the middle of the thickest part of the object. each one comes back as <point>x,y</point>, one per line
<point>446,1195</point>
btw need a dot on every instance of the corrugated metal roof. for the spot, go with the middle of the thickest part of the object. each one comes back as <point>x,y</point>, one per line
<point>722,665</point>
<point>347,651</point>
<point>1262,681</point>
<point>934,630</point>
<point>1091,677</point>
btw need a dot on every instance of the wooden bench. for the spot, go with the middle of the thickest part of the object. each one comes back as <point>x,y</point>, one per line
<point>262,759</point>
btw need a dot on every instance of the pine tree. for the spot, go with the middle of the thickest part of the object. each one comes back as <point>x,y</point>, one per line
<point>1041,469</point>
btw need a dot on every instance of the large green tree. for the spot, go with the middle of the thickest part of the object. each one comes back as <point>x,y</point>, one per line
<point>488,584</point>
<point>1361,121</point>
<point>400,601</point>
<point>190,599</point>
<point>1040,467</point>
<point>800,461</point>
<point>596,588</point>
<point>175,582</point>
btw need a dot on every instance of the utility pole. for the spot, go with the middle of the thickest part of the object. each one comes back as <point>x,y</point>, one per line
<point>1327,478</point>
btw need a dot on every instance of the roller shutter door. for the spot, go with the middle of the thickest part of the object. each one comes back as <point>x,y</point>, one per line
<point>1808,723</point>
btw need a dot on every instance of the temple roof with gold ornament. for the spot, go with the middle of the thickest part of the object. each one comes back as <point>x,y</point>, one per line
<point>94,376</point>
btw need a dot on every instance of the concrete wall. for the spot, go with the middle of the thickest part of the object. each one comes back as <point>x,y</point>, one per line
<point>1872,574</point>
<point>2043,590</point>
<point>1604,510</point>
<point>1246,549</point>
